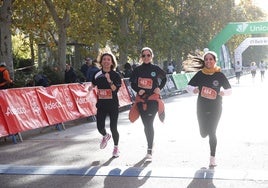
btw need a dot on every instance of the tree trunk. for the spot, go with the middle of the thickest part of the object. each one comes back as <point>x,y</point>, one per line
<point>62,49</point>
<point>31,39</point>
<point>123,49</point>
<point>62,24</point>
<point>5,36</point>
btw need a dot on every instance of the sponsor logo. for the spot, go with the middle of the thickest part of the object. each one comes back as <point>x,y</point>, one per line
<point>69,103</point>
<point>259,28</point>
<point>241,27</point>
<point>15,111</point>
<point>82,100</point>
<point>52,105</point>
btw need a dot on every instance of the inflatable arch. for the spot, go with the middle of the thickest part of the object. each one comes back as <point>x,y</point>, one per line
<point>257,41</point>
<point>234,29</point>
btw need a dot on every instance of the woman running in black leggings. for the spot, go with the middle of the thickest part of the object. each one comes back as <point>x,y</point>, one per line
<point>147,80</point>
<point>108,83</point>
<point>207,83</point>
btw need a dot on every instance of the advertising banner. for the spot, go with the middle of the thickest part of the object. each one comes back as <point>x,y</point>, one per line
<point>131,92</point>
<point>170,83</point>
<point>3,125</point>
<point>54,104</point>
<point>180,81</point>
<point>85,100</point>
<point>123,95</point>
<point>22,109</point>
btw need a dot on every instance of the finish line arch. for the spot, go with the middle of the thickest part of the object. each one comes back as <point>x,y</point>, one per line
<point>256,41</point>
<point>235,28</point>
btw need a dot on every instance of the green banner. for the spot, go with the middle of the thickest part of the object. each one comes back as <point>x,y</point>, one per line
<point>180,81</point>
<point>234,29</point>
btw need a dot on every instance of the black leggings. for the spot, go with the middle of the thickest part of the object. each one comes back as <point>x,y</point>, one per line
<point>147,117</point>
<point>102,112</point>
<point>208,123</point>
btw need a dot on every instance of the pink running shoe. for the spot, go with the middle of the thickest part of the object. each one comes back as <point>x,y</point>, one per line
<point>116,152</point>
<point>104,141</point>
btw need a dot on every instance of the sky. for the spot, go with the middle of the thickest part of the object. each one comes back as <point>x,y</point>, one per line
<point>263,4</point>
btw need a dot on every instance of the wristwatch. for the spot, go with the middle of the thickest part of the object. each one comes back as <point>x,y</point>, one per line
<point>111,83</point>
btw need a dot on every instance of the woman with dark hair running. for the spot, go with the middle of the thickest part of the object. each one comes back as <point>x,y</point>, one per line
<point>148,80</point>
<point>108,83</point>
<point>208,84</point>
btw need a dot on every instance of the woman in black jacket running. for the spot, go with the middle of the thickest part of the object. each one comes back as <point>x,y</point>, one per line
<point>148,80</point>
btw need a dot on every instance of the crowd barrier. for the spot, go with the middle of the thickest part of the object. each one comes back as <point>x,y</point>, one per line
<point>27,108</point>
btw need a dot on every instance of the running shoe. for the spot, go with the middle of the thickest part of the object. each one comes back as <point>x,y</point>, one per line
<point>212,161</point>
<point>116,152</point>
<point>148,156</point>
<point>104,141</point>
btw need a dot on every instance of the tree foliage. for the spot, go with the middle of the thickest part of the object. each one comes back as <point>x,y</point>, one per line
<point>172,28</point>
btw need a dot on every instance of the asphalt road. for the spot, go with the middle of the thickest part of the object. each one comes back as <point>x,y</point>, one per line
<point>72,158</point>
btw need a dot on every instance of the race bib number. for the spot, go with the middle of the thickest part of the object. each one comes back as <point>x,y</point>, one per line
<point>145,83</point>
<point>208,93</point>
<point>105,94</point>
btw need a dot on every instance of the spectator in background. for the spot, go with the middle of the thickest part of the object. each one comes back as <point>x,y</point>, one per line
<point>134,65</point>
<point>170,68</point>
<point>91,70</point>
<point>5,79</point>
<point>127,70</point>
<point>85,66</point>
<point>41,80</point>
<point>70,75</point>
<point>262,68</point>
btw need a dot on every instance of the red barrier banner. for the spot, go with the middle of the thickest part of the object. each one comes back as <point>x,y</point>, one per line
<point>85,100</point>
<point>64,95</point>
<point>22,109</point>
<point>3,125</point>
<point>34,107</point>
<point>123,95</point>
<point>58,103</point>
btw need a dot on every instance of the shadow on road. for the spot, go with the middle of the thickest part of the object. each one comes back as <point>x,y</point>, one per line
<point>135,178</point>
<point>203,178</point>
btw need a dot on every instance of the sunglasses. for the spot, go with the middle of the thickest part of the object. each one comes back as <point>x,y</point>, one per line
<point>144,55</point>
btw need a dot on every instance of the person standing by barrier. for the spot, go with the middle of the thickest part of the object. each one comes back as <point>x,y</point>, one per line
<point>70,75</point>
<point>127,70</point>
<point>91,70</point>
<point>5,79</point>
<point>208,84</point>
<point>170,68</point>
<point>262,67</point>
<point>148,80</point>
<point>238,70</point>
<point>85,66</point>
<point>108,82</point>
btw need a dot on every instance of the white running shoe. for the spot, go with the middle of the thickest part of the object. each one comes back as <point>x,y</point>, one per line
<point>104,141</point>
<point>212,161</point>
<point>149,157</point>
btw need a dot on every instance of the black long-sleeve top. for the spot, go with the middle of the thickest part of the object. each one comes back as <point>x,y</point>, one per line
<point>101,82</point>
<point>148,77</point>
